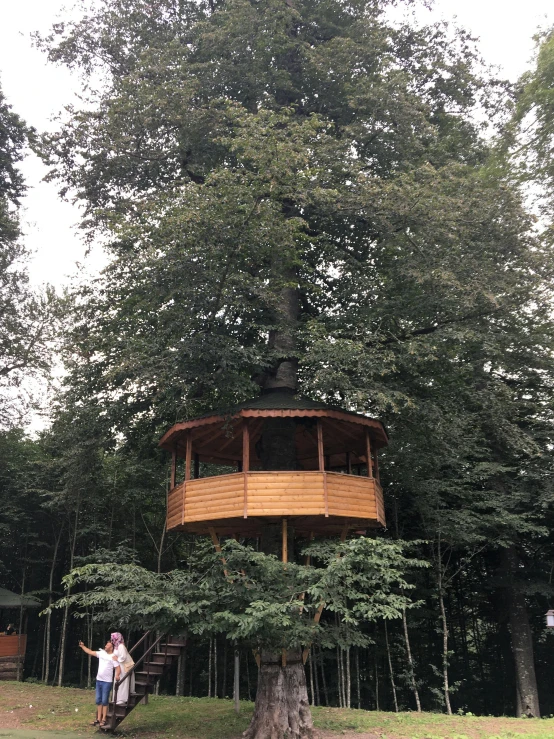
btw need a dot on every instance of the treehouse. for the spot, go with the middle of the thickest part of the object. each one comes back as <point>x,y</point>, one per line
<point>278,457</point>
<point>13,610</point>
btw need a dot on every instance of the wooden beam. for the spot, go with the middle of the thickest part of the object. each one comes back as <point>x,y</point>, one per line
<point>173,469</point>
<point>245,446</point>
<point>368,454</point>
<point>285,542</point>
<point>245,463</point>
<point>188,458</point>
<point>321,458</point>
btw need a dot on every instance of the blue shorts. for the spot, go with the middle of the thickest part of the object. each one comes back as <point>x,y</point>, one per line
<point>103,692</point>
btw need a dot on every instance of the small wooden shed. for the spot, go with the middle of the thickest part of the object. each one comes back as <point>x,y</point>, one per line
<point>334,486</point>
<point>13,648</point>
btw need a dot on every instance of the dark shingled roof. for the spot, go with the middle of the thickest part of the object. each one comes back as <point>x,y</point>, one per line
<point>276,400</point>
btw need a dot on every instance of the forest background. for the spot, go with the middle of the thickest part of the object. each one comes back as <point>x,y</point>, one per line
<point>227,153</point>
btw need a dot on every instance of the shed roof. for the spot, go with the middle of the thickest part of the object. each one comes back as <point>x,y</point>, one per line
<point>13,600</point>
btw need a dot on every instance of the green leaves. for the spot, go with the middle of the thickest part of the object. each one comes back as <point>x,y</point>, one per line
<point>260,601</point>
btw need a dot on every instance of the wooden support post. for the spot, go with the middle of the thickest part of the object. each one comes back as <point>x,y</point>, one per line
<point>245,463</point>
<point>196,466</point>
<point>187,472</point>
<point>368,453</point>
<point>285,543</point>
<point>188,459</point>
<point>321,458</point>
<point>377,466</point>
<point>173,477</point>
<point>348,463</point>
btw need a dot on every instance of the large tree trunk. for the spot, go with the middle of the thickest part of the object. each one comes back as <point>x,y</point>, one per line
<point>282,708</point>
<point>527,697</point>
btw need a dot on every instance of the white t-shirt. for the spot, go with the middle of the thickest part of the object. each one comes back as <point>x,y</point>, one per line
<point>106,666</point>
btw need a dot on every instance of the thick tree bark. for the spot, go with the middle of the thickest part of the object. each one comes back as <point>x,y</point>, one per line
<point>282,708</point>
<point>527,697</point>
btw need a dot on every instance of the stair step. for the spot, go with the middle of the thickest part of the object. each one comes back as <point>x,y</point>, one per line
<point>145,677</point>
<point>181,640</point>
<point>173,650</point>
<point>161,658</point>
<point>154,668</point>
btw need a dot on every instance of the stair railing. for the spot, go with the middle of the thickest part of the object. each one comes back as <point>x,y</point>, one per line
<point>127,676</point>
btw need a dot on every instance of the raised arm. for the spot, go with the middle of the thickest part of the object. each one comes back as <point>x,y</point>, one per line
<point>87,650</point>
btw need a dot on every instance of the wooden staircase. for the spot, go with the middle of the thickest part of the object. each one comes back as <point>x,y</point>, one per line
<point>158,656</point>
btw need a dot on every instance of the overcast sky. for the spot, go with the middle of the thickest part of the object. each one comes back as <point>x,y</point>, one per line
<point>38,91</point>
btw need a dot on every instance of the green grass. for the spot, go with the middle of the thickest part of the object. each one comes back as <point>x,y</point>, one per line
<point>54,709</point>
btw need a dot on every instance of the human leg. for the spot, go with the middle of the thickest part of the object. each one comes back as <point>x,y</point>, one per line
<point>104,694</point>
<point>98,700</point>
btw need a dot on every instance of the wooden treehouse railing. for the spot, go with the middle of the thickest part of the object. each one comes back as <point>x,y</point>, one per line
<point>158,656</point>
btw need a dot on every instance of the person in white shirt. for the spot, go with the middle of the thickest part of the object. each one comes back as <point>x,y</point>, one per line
<point>104,679</point>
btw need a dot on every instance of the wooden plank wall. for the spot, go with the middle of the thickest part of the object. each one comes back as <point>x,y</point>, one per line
<point>209,498</point>
<point>11,646</point>
<point>351,496</point>
<point>275,494</point>
<point>379,500</point>
<point>175,507</point>
<point>286,494</point>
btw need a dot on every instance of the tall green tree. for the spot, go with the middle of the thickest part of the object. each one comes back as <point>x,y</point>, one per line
<point>297,195</point>
<point>27,317</point>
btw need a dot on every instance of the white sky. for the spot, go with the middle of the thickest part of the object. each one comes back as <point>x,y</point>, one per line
<point>38,91</point>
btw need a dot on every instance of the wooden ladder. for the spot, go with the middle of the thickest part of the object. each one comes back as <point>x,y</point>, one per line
<point>159,655</point>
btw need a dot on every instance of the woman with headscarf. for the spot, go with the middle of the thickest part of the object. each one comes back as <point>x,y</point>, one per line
<point>125,661</point>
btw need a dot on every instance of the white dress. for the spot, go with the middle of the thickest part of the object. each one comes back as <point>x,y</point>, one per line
<point>125,661</point>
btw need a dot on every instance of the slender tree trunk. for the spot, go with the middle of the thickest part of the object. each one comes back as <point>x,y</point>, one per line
<point>391,671</point>
<point>339,677</point>
<point>19,630</point>
<point>246,661</point>
<point>358,687</point>
<point>190,681</point>
<point>527,699</point>
<point>210,668</point>
<point>49,615</point>
<point>312,691</point>
<point>63,635</point>
<point>89,658</point>
<point>410,661</point>
<point>215,667</point>
<point>444,622</point>
<point>377,707</point>
<point>348,679</point>
<point>323,677</point>
<point>225,657</point>
<point>313,656</point>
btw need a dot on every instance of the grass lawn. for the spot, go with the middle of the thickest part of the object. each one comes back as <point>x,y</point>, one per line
<point>26,709</point>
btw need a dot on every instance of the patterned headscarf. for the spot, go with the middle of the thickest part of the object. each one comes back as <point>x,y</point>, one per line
<point>116,639</point>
